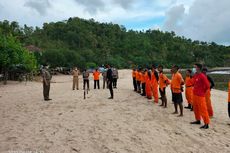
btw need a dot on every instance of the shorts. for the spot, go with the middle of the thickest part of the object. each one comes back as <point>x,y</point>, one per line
<point>177,98</point>
<point>162,93</point>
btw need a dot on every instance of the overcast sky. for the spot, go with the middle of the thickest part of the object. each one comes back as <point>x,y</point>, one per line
<point>206,20</point>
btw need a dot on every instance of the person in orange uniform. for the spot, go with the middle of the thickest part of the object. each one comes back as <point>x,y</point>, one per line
<point>154,82</point>
<point>176,86</point>
<point>229,98</point>
<point>208,93</point>
<point>200,87</point>
<point>148,85</point>
<point>138,79</point>
<point>188,89</point>
<point>134,79</point>
<point>163,82</point>
<point>143,79</point>
<point>96,77</point>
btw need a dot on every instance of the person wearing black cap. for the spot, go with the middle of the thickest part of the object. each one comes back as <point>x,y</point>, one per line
<point>46,76</point>
<point>110,80</point>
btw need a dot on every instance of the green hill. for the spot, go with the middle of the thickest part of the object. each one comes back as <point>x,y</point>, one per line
<point>89,43</point>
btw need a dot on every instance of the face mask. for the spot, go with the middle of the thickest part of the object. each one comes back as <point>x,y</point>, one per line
<point>193,70</point>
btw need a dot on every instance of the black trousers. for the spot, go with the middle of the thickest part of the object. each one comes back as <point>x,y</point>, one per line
<point>114,82</point>
<point>84,83</point>
<point>96,83</point>
<point>46,90</point>
<point>162,92</point>
<point>110,85</point>
<point>138,86</point>
<point>229,109</point>
<point>143,89</point>
<point>135,84</point>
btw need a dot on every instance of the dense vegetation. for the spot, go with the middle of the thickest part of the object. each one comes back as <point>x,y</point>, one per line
<point>87,43</point>
<point>14,56</point>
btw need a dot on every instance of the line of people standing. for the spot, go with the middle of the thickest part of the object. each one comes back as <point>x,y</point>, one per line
<point>96,77</point>
<point>197,84</point>
<point>110,77</point>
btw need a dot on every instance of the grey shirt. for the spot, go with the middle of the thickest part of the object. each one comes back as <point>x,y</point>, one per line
<point>104,74</point>
<point>115,73</point>
<point>85,75</point>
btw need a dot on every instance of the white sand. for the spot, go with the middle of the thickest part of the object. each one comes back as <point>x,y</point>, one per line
<point>127,124</point>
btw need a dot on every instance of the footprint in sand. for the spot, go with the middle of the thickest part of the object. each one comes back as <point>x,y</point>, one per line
<point>11,138</point>
<point>75,149</point>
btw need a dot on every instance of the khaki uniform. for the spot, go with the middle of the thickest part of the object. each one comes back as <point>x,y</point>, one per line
<point>115,77</point>
<point>46,83</point>
<point>75,79</point>
<point>105,79</point>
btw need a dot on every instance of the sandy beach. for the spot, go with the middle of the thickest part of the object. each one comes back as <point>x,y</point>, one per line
<point>127,124</point>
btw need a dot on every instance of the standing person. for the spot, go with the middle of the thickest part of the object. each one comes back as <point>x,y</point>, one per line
<point>75,74</point>
<point>46,76</point>
<point>104,78</point>
<point>85,76</point>
<point>148,85</point>
<point>96,77</point>
<point>208,93</point>
<point>163,83</point>
<point>134,72</point>
<point>115,77</point>
<point>138,78</point>
<point>110,80</point>
<point>154,82</point>
<point>188,89</point>
<point>143,79</point>
<point>200,87</point>
<point>176,86</point>
<point>229,98</point>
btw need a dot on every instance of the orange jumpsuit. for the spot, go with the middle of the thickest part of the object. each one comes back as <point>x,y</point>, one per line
<point>208,102</point>
<point>143,82</point>
<point>154,84</point>
<point>138,76</point>
<point>229,99</point>
<point>138,79</point>
<point>134,74</point>
<point>148,88</point>
<point>229,91</point>
<point>142,78</point>
<point>200,109</point>
<point>188,90</point>
<point>201,85</point>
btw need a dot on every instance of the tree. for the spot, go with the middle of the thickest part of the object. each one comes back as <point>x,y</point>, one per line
<point>12,53</point>
<point>89,41</point>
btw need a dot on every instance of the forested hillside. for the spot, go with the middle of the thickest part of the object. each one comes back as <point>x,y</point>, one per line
<point>87,43</point>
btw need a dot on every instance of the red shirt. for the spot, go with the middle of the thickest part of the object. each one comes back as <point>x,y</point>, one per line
<point>201,84</point>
